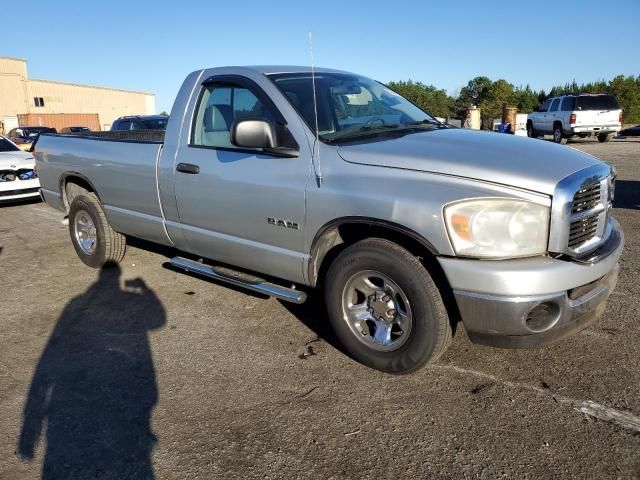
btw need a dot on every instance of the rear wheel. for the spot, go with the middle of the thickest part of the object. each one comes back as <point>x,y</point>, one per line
<point>558,136</point>
<point>531,132</point>
<point>604,137</point>
<point>385,308</point>
<point>95,242</point>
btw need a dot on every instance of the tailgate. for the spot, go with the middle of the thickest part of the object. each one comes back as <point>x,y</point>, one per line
<point>597,117</point>
<point>597,109</point>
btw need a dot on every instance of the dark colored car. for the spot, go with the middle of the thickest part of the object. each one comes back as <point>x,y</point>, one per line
<point>630,132</point>
<point>23,135</point>
<point>75,130</point>
<point>140,122</point>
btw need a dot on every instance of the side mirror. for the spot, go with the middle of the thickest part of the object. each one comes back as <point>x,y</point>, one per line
<point>254,133</point>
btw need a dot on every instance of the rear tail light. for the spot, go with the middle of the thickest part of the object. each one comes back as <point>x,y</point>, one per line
<point>572,119</point>
<point>621,117</point>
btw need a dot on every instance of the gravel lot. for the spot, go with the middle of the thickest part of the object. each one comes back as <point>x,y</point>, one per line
<point>161,374</point>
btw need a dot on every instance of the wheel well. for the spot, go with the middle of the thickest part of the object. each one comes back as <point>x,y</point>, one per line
<point>335,238</point>
<point>68,192</point>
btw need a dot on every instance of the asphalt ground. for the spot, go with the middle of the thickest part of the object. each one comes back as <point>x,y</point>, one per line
<point>151,373</point>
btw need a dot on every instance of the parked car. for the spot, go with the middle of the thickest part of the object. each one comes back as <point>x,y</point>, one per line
<point>583,115</point>
<point>630,131</point>
<point>18,179</point>
<point>140,122</point>
<point>27,135</point>
<point>405,224</point>
<point>75,130</point>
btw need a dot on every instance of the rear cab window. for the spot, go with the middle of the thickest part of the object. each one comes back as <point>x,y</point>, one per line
<point>555,105</point>
<point>597,102</point>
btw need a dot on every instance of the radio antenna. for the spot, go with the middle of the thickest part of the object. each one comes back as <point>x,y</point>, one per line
<point>315,155</point>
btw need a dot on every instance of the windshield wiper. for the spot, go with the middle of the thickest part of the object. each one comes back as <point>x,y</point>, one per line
<point>427,121</point>
<point>361,130</point>
<point>366,130</point>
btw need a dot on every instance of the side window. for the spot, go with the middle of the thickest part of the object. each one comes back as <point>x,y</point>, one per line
<point>545,106</point>
<point>555,105</point>
<point>221,105</point>
<point>568,104</point>
<point>123,125</point>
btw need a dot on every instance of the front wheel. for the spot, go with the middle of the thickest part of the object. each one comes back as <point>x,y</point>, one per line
<point>385,308</point>
<point>95,242</point>
<point>604,137</point>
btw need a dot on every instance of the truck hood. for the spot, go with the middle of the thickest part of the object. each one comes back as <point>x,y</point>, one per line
<point>16,160</point>
<point>521,162</point>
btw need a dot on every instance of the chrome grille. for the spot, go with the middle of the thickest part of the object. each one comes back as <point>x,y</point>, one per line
<point>586,198</point>
<point>583,230</point>
<point>585,215</point>
<point>580,211</point>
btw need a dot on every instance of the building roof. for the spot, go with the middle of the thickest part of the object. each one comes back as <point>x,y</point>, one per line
<point>89,86</point>
<point>74,84</point>
<point>13,58</point>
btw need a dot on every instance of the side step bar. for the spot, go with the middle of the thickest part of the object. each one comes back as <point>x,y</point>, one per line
<point>253,284</point>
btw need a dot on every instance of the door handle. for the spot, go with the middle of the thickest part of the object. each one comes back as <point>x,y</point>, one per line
<point>188,168</point>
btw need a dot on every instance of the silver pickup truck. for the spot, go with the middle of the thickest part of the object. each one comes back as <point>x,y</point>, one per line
<point>279,179</point>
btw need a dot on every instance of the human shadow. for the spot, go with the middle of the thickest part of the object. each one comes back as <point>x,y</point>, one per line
<point>627,194</point>
<point>94,388</point>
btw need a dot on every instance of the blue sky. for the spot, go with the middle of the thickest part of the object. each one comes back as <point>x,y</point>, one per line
<point>151,46</point>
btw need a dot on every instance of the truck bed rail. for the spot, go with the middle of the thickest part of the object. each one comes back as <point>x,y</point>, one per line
<point>145,136</point>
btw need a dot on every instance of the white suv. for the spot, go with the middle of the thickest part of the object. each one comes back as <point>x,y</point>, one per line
<point>583,115</point>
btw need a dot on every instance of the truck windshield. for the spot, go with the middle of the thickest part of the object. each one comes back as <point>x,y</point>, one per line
<point>349,106</point>
<point>597,102</point>
<point>7,146</point>
<point>155,124</point>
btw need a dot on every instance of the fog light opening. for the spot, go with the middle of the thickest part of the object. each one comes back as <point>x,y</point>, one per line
<point>543,316</point>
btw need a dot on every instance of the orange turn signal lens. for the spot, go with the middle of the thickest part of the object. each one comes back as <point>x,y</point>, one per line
<point>460,224</point>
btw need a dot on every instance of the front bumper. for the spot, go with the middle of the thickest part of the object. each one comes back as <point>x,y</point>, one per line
<point>19,189</point>
<point>532,302</point>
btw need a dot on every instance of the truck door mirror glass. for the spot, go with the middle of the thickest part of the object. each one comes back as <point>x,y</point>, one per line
<point>253,133</point>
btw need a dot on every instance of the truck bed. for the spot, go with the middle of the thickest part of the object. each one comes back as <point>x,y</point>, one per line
<point>121,166</point>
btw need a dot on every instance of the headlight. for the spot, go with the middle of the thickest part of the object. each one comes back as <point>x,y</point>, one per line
<point>494,228</point>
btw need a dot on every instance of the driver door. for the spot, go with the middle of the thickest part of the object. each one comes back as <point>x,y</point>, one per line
<point>241,206</point>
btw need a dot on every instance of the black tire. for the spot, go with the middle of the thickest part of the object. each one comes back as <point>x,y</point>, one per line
<point>604,137</point>
<point>531,132</point>
<point>430,333</point>
<point>558,134</point>
<point>109,246</point>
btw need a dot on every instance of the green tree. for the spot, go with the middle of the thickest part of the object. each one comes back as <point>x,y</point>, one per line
<point>627,91</point>
<point>526,99</point>
<point>496,95</point>
<point>427,97</point>
<point>475,91</point>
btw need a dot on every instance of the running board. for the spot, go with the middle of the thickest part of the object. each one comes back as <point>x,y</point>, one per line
<point>236,278</point>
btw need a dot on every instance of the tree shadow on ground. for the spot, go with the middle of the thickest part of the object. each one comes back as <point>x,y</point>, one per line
<point>94,388</point>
